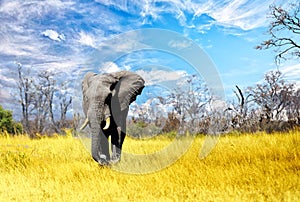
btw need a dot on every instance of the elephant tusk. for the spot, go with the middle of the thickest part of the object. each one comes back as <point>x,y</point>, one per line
<point>84,124</point>
<point>107,123</point>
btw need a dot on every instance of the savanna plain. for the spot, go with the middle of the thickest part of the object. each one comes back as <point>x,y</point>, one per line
<point>242,167</point>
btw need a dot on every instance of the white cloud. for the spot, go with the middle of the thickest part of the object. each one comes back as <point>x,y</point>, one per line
<point>158,76</point>
<point>242,13</point>
<point>23,11</point>
<point>123,42</point>
<point>292,73</point>
<point>86,39</point>
<point>109,67</point>
<point>59,65</point>
<point>7,80</point>
<point>180,44</point>
<point>245,14</point>
<point>54,35</point>
<point>121,4</point>
<point>17,44</point>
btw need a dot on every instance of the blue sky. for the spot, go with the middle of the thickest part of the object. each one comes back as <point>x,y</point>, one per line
<point>71,37</point>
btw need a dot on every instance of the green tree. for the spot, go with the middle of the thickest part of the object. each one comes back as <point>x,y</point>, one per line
<point>7,123</point>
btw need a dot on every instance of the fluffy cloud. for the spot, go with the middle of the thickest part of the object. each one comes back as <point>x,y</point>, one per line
<point>52,34</point>
<point>109,67</point>
<point>86,39</point>
<point>158,76</point>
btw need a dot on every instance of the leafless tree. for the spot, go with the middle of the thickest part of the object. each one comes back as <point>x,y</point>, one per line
<point>42,99</point>
<point>25,97</point>
<point>189,100</point>
<point>293,109</point>
<point>284,31</point>
<point>273,95</point>
<point>241,112</point>
<point>65,100</point>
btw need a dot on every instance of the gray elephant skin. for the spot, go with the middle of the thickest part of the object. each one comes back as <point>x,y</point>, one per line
<point>106,100</point>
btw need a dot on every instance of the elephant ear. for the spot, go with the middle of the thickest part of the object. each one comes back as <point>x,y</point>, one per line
<point>129,86</point>
<point>85,85</point>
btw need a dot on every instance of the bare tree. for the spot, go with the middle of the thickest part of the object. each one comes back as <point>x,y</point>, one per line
<point>293,109</point>
<point>65,101</point>
<point>241,116</point>
<point>189,100</point>
<point>25,87</point>
<point>47,87</point>
<point>273,95</point>
<point>39,110</point>
<point>284,31</point>
<point>43,102</point>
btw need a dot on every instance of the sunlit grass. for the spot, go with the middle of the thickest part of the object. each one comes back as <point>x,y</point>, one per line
<point>257,167</point>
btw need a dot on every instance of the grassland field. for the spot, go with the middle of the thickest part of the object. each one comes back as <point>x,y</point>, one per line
<point>248,167</point>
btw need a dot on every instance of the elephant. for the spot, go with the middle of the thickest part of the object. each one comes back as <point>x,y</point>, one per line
<point>105,102</point>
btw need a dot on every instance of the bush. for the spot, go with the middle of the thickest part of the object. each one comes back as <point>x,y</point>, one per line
<point>142,130</point>
<point>7,123</point>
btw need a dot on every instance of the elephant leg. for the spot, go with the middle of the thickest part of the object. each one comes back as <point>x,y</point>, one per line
<point>118,137</point>
<point>122,134</point>
<point>100,147</point>
<point>115,145</point>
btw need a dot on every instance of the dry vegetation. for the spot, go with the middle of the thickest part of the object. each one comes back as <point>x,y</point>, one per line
<point>257,167</point>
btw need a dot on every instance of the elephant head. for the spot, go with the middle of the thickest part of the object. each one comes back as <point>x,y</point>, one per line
<point>106,99</point>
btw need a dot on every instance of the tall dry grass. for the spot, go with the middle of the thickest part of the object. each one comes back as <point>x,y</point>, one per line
<point>250,167</point>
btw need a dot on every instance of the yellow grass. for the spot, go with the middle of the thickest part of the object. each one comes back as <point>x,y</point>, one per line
<point>256,167</point>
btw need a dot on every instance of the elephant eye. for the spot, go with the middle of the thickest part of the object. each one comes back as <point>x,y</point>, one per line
<point>85,97</point>
<point>112,87</point>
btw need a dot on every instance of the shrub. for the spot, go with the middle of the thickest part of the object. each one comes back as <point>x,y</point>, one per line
<point>7,123</point>
<point>142,130</point>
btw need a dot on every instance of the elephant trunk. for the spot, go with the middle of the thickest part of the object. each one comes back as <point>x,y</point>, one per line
<point>96,140</point>
<point>99,146</point>
<point>98,112</point>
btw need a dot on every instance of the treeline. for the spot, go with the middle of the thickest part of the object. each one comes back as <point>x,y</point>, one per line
<point>272,105</point>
